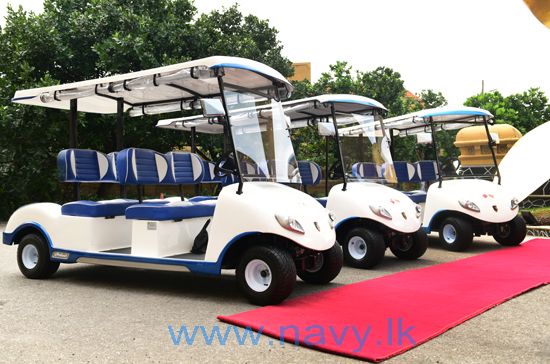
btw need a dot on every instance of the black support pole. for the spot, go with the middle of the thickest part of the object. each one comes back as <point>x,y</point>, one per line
<point>436,154</point>
<point>119,124</point>
<point>194,150</point>
<point>338,146</point>
<point>326,166</point>
<point>73,139</point>
<point>73,135</point>
<point>491,143</point>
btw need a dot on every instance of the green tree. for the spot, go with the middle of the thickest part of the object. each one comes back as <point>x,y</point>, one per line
<point>81,39</point>
<point>525,110</point>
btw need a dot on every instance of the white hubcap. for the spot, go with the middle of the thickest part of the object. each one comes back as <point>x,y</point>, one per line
<point>257,275</point>
<point>357,247</point>
<point>29,256</point>
<point>449,234</point>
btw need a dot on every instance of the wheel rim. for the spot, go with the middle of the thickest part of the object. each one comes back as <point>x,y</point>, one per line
<point>257,275</point>
<point>319,261</point>
<point>357,247</point>
<point>29,256</point>
<point>503,230</point>
<point>449,234</point>
<point>405,243</point>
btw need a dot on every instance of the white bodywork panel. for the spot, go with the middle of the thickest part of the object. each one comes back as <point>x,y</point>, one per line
<point>88,234</point>
<point>253,211</point>
<point>484,194</point>
<point>359,196</point>
<point>526,165</point>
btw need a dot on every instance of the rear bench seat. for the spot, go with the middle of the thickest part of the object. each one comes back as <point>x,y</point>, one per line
<point>310,172</point>
<point>182,169</point>
<point>90,166</point>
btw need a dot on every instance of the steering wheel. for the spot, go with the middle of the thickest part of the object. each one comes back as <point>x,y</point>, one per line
<point>226,165</point>
<point>336,171</point>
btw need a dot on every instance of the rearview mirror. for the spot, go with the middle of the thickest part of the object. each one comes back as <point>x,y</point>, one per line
<point>212,107</point>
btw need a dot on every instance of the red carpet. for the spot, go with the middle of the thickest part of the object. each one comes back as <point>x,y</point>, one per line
<point>424,302</point>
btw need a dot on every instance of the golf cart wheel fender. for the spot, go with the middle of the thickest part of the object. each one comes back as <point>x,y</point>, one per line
<point>493,201</point>
<point>39,217</point>
<point>357,199</point>
<point>255,211</point>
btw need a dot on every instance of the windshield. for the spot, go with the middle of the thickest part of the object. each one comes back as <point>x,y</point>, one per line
<point>261,138</point>
<point>365,149</point>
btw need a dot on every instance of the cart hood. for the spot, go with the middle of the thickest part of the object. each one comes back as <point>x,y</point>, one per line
<point>525,167</point>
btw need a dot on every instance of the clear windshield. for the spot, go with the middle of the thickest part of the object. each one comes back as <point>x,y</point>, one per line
<point>262,139</point>
<point>365,149</point>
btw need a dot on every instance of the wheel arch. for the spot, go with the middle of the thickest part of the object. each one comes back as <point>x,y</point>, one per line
<point>343,227</point>
<point>15,237</point>
<point>229,258</point>
<point>437,220</point>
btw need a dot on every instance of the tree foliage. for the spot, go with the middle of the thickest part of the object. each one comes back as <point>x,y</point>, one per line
<point>525,110</point>
<point>74,40</point>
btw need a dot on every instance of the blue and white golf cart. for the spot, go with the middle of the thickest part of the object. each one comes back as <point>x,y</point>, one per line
<point>369,214</point>
<point>265,230</point>
<point>460,206</point>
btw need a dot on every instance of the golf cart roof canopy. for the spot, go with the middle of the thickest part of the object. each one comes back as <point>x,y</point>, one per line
<point>320,106</point>
<point>443,118</point>
<point>179,85</point>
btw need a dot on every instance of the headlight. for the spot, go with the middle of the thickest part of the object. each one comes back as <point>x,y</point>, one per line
<point>290,223</point>
<point>514,204</point>
<point>418,210</point>
<point>331,219</point>
<point>469,205</point>
<point>380,211</point>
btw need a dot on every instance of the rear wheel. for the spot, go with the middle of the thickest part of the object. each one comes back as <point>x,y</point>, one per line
<point>511,233</point>
<point>322,268</point>
<point>33,257</point>
<point>266,274</point>
<point>410,246</point>
<point>363,248</point>
<point>456,234</point>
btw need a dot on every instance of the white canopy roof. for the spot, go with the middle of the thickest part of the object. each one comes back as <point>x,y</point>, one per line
<point>183,82</point>
<point>443,118</point>
<point>319,106</point>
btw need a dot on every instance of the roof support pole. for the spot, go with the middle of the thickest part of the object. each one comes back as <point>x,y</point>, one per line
<point>436,153</point>
<point>339,146</point>
<point>73,135</point>
<point>326,165</point>
<point>194,150</point>
<point>119,143</point>
<point>73,139</point>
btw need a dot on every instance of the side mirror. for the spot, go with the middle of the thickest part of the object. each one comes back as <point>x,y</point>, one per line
<point>212,107</point>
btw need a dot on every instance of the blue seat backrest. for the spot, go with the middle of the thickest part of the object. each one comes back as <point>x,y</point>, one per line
<point>427,170</point>
<point>141,167</point>
<point>184,168</point>
<point>111,157</point>
<point>365,170</point>
<point>405,172</point>
<point>310,173</point>
<point>84,165</point>
<point>208,173</point>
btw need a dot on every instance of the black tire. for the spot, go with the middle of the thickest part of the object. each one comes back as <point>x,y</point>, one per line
<point>281,270</point>
<point>459,235</point>
<point>370,241</point>
<point>410,246</point>
<point>36,246</point>
<point>330,264</point>
<point>511,233</point>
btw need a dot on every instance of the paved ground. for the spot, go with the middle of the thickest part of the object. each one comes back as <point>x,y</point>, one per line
<point>101,314</point>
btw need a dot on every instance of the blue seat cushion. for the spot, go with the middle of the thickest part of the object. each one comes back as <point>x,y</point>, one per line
<point>171,211</point>
<point>322,201</point>
<point>416,196</point>
<point>97,208</point>
<point>203,198</point>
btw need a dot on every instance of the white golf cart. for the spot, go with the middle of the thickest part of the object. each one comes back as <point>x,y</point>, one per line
<point>460,206</point>
<point>369,215</point>
<point>265,230</point>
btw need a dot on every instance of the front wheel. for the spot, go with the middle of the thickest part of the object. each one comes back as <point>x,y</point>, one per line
<point>324,266</point>
<point>410,246</point>
<point>456,234</point>
<point>364,248</point>
<point>33,257</point>
<point>511,233</point>
<point>266,274</point>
